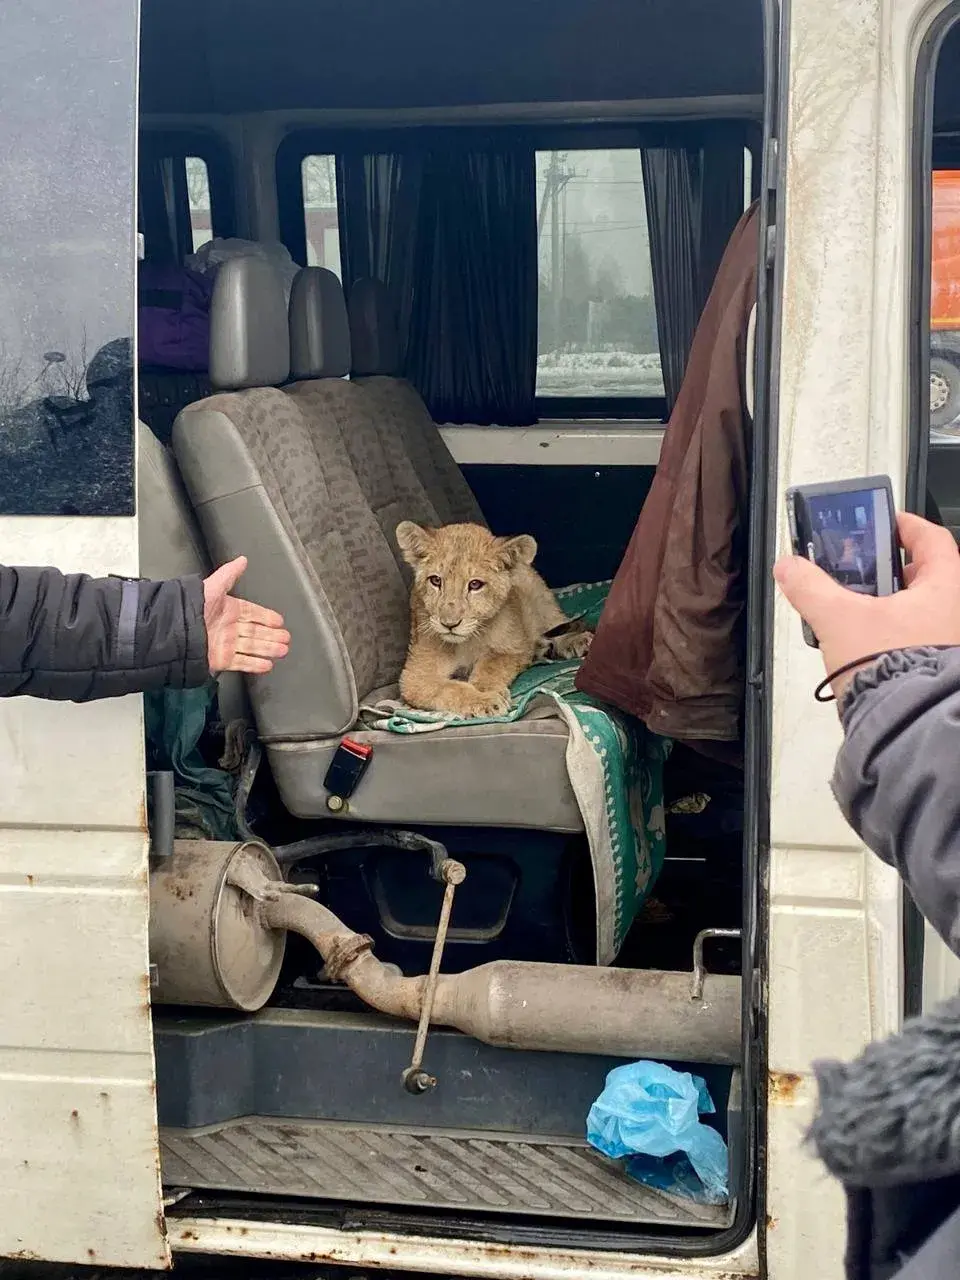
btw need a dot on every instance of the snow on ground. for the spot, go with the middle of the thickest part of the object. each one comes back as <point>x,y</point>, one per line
<point>599,373</point>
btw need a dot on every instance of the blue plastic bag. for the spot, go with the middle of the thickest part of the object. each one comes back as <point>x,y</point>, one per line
<point>649,1115</point>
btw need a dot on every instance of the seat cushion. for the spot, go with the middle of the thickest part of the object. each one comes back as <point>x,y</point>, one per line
<point>496,775</point>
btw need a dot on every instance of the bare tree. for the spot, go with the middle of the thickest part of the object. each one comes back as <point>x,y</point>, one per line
<point>66,375</point>
<point>198,183</point>
<point>14,383</point>
<point>319,182</point>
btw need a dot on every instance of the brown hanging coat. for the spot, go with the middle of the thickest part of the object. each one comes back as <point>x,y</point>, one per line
<point>670,647</point>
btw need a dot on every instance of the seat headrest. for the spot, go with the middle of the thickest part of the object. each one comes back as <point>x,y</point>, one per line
<point>249,335</point>
<point>319,330</point>
<point>374,334</point>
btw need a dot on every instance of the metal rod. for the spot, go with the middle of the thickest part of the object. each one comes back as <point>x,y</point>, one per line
<point>415,1079</point>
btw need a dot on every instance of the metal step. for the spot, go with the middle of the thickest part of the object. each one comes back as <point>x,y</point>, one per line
<point>416,1168</point>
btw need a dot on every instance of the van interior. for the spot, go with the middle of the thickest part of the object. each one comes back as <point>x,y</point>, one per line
<point>483,237</point>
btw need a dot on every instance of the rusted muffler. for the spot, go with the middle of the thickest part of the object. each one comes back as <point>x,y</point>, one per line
<point>209,942</point>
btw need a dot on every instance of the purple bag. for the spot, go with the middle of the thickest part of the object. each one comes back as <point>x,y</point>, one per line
<point>174,317</point>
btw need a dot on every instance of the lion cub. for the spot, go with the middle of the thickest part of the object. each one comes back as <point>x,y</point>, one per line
<point>479,615</point>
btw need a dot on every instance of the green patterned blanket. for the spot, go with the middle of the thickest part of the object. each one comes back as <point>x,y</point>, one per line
<point>615,766</point>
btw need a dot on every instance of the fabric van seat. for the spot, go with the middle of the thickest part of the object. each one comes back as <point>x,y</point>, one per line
<point>500,775</point>
<point>270,475</point>
<point>171,544</point>
<point>320,360</point>
<point>376,360</point>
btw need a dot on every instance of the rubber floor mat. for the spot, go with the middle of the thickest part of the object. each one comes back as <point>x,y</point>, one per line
<point>420,1168</point>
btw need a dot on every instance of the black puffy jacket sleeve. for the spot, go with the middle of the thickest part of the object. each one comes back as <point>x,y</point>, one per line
<point>76,638</point>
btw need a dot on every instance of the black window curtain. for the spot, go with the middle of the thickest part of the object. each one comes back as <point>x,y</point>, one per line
<point>163,207</point>
<point>378,198</point>
<point>694,199</point>
<point>453,235</point>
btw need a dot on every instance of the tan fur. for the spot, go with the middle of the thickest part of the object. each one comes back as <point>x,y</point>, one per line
<point>485,636</point>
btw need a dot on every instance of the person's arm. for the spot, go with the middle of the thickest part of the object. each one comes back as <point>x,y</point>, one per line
<point>897,776</point>
<point>76,638</point>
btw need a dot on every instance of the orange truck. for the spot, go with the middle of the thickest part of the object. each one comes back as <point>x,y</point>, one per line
<point>945,301</point>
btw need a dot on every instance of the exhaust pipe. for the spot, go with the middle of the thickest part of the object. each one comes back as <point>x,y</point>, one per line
<point>219,914</point>
<point>623,1013</point>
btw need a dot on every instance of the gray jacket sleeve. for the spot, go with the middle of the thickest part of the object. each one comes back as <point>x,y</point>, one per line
<point>77,638</point>
<point>897,777</point>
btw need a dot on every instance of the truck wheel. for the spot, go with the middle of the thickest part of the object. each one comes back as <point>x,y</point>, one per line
<point>944,391</point>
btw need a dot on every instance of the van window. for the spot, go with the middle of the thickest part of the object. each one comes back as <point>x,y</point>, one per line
<point>537,273</point>
<point>198,194</point>
<point>747,177</point>
<point>184,194</point>
<point>318,175</point>
<point>66,371</point>
<point>936,395</point>
<point>629,239</point>
<point>597,322</point>
<point>945,304</point>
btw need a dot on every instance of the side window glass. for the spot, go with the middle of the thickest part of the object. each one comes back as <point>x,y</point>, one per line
<point>597,316</point>
<point>318,175</point>
<point>945,307</point>
<point>747,177</point>
<point>67,204</point>
<point>198,194</point>
<point>184,199</point>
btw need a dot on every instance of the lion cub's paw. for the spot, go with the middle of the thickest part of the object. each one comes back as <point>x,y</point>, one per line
<point>573,645</point>
<point>495,702</point>
<point>486,702</point>
<point>467,700</point>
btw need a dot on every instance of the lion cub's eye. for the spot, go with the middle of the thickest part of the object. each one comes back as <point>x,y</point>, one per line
<point>475,585</point>
<point>435,581</point>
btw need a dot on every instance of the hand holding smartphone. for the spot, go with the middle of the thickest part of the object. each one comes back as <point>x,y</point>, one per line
<point>849,529</point>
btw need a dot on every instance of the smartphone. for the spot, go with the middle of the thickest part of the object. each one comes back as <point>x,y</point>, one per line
<point>849,529</point>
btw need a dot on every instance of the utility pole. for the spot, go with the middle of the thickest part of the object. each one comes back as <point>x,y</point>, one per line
<point>557,177</point>
<point>555,286</point>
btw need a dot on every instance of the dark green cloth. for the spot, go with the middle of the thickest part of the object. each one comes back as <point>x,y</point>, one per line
<point>175,720</point>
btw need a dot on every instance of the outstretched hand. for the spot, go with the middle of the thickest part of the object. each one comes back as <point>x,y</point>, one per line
<point>851,626</point>
<point>241,636</point>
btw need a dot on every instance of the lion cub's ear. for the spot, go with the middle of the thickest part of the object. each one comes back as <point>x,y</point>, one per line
<point>414,542</point>
<point>519,550</point>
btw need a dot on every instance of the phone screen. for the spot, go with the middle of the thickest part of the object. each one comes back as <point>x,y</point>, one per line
<point>850,536</point>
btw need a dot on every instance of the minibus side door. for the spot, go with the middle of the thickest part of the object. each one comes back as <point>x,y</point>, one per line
<point>78,1129</point>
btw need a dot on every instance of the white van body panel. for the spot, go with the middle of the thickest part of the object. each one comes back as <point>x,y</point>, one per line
<point>79,1161</point>
<point>428,1256</point>
<point>845,219</point>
